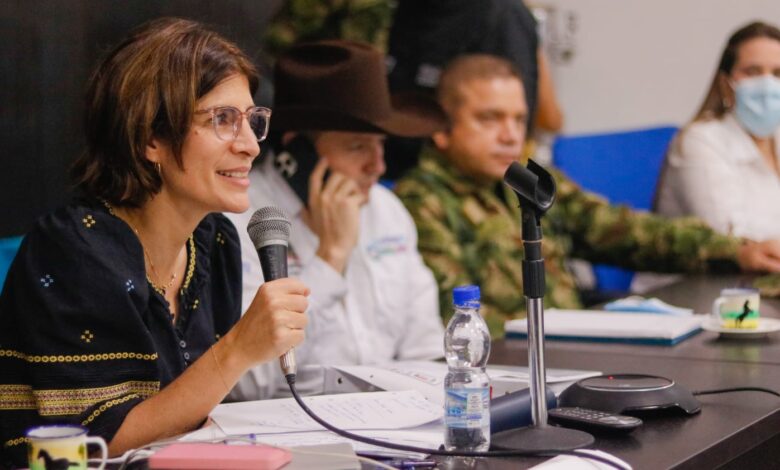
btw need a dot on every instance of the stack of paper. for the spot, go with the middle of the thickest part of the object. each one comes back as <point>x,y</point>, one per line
<point>350,411</point>
<point>400,417</point>
<point>411,412</point>
<point>595,325</point>
<point>427,377</point>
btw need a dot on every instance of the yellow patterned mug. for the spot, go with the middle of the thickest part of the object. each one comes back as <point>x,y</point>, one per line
<point>61,447</point>
<point>737,308</point>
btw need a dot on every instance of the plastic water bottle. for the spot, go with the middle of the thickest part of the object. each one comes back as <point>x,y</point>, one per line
<point>467,386</point>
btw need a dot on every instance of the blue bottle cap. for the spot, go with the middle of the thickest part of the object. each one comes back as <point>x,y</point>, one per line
<point>466,296</point>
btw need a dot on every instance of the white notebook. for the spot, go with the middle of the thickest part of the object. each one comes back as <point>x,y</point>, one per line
<point>617,327</point>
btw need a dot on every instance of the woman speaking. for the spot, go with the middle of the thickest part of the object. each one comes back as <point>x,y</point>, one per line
<point>121,311</point>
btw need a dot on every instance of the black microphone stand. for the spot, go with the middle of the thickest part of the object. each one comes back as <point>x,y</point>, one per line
<point>535,189</point>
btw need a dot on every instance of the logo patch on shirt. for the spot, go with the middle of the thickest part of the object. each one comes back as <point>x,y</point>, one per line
<point>382,247</point>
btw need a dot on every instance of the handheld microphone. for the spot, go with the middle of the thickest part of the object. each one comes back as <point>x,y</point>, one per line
<point>269,230</point>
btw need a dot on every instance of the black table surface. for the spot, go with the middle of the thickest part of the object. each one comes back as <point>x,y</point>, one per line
<point>728,426</point>
<point>698,293</point>
<point>734,430</point>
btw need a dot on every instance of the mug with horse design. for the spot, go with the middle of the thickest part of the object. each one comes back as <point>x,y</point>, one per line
<point>61,447</point>
<point>737,308</point>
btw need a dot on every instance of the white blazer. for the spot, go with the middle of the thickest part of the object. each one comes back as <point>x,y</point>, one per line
<point>716,172</point>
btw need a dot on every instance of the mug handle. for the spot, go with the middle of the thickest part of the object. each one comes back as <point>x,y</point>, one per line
<point>716,309</point>
<point>100,442</point>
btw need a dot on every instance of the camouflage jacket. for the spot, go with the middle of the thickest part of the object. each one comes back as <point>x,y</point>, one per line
<point>299,21</point>
<point>470,234</point>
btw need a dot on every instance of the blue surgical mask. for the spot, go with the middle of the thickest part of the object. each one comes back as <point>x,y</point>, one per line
<point>758,104</point>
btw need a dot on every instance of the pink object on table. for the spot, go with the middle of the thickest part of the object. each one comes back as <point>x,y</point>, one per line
<point>219,456</point>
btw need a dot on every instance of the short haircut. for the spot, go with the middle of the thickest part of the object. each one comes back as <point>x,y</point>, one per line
<point>466,68</point>
<point>147,87</point>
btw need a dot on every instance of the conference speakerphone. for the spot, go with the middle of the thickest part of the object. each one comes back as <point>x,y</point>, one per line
<point>621,393</point>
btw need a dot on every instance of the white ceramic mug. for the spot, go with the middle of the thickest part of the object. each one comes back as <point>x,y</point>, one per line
<point>62,446</point>
<point>737,308</point>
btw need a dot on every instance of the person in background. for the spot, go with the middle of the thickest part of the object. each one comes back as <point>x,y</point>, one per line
<point>724,166</point>
<point>297,21</point>
<point>373,300</point>
<point>469,222</point>
<point>121,310</point>
<point>427,34</point>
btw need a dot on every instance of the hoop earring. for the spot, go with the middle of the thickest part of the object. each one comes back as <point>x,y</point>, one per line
<point>158,167</point>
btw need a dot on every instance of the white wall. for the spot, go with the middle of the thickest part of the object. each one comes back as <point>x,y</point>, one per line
<point>640,63</point>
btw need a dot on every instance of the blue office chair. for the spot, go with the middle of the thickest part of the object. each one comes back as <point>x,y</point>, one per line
<point>8,248</point>
<point>624,167</point>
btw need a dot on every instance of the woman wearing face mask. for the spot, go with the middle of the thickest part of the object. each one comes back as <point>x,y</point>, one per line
<point>725,165</point>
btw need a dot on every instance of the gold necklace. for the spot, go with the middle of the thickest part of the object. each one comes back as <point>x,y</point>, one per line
<point>190,263</point>
<point>160,289</point>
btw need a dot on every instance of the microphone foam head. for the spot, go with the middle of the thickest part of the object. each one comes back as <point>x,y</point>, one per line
<point>269,226</point>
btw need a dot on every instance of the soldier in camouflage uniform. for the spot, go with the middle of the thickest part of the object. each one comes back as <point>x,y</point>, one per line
<point>468,222</point>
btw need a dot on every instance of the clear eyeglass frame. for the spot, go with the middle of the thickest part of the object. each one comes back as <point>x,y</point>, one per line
<point>227,121</point>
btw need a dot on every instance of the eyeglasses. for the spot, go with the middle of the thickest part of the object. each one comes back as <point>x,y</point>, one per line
<point>227,121</point>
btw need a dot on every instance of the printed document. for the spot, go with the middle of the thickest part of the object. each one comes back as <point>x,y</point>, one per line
<point>350,411</point>
<point>427,377</point>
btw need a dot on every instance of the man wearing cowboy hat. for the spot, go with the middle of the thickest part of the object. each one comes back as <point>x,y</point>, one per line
<point>372,298</point>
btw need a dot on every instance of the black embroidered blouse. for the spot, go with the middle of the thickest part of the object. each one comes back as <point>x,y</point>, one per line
<point>84,337</point>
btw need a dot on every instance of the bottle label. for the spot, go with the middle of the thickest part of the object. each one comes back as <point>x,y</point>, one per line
<point>466,407</point>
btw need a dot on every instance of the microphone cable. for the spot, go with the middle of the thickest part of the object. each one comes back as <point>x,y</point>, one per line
<point>290,378</point>
<point>736,389</point>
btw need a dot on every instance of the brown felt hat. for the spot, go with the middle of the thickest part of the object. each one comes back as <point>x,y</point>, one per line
<point>338,85</point>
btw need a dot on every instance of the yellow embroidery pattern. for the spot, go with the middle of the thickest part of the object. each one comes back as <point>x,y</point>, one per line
<point>220,238</point>
<point>190,265</point>
<point>16,397</point>
<point>70,401</point>
<point>106,406</point>
<point>16,442</point>
<point>195,304</point>
<point>88,220</point>
<point>78,358</point>
<point>87,336</point>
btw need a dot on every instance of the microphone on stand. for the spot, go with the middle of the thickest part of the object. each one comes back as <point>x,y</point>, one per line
<point>269,230</point>
<point>535,189</point>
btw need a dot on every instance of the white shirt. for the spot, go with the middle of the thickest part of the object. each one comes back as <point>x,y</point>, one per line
<point>384,307</point>
<point>716,172</point>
